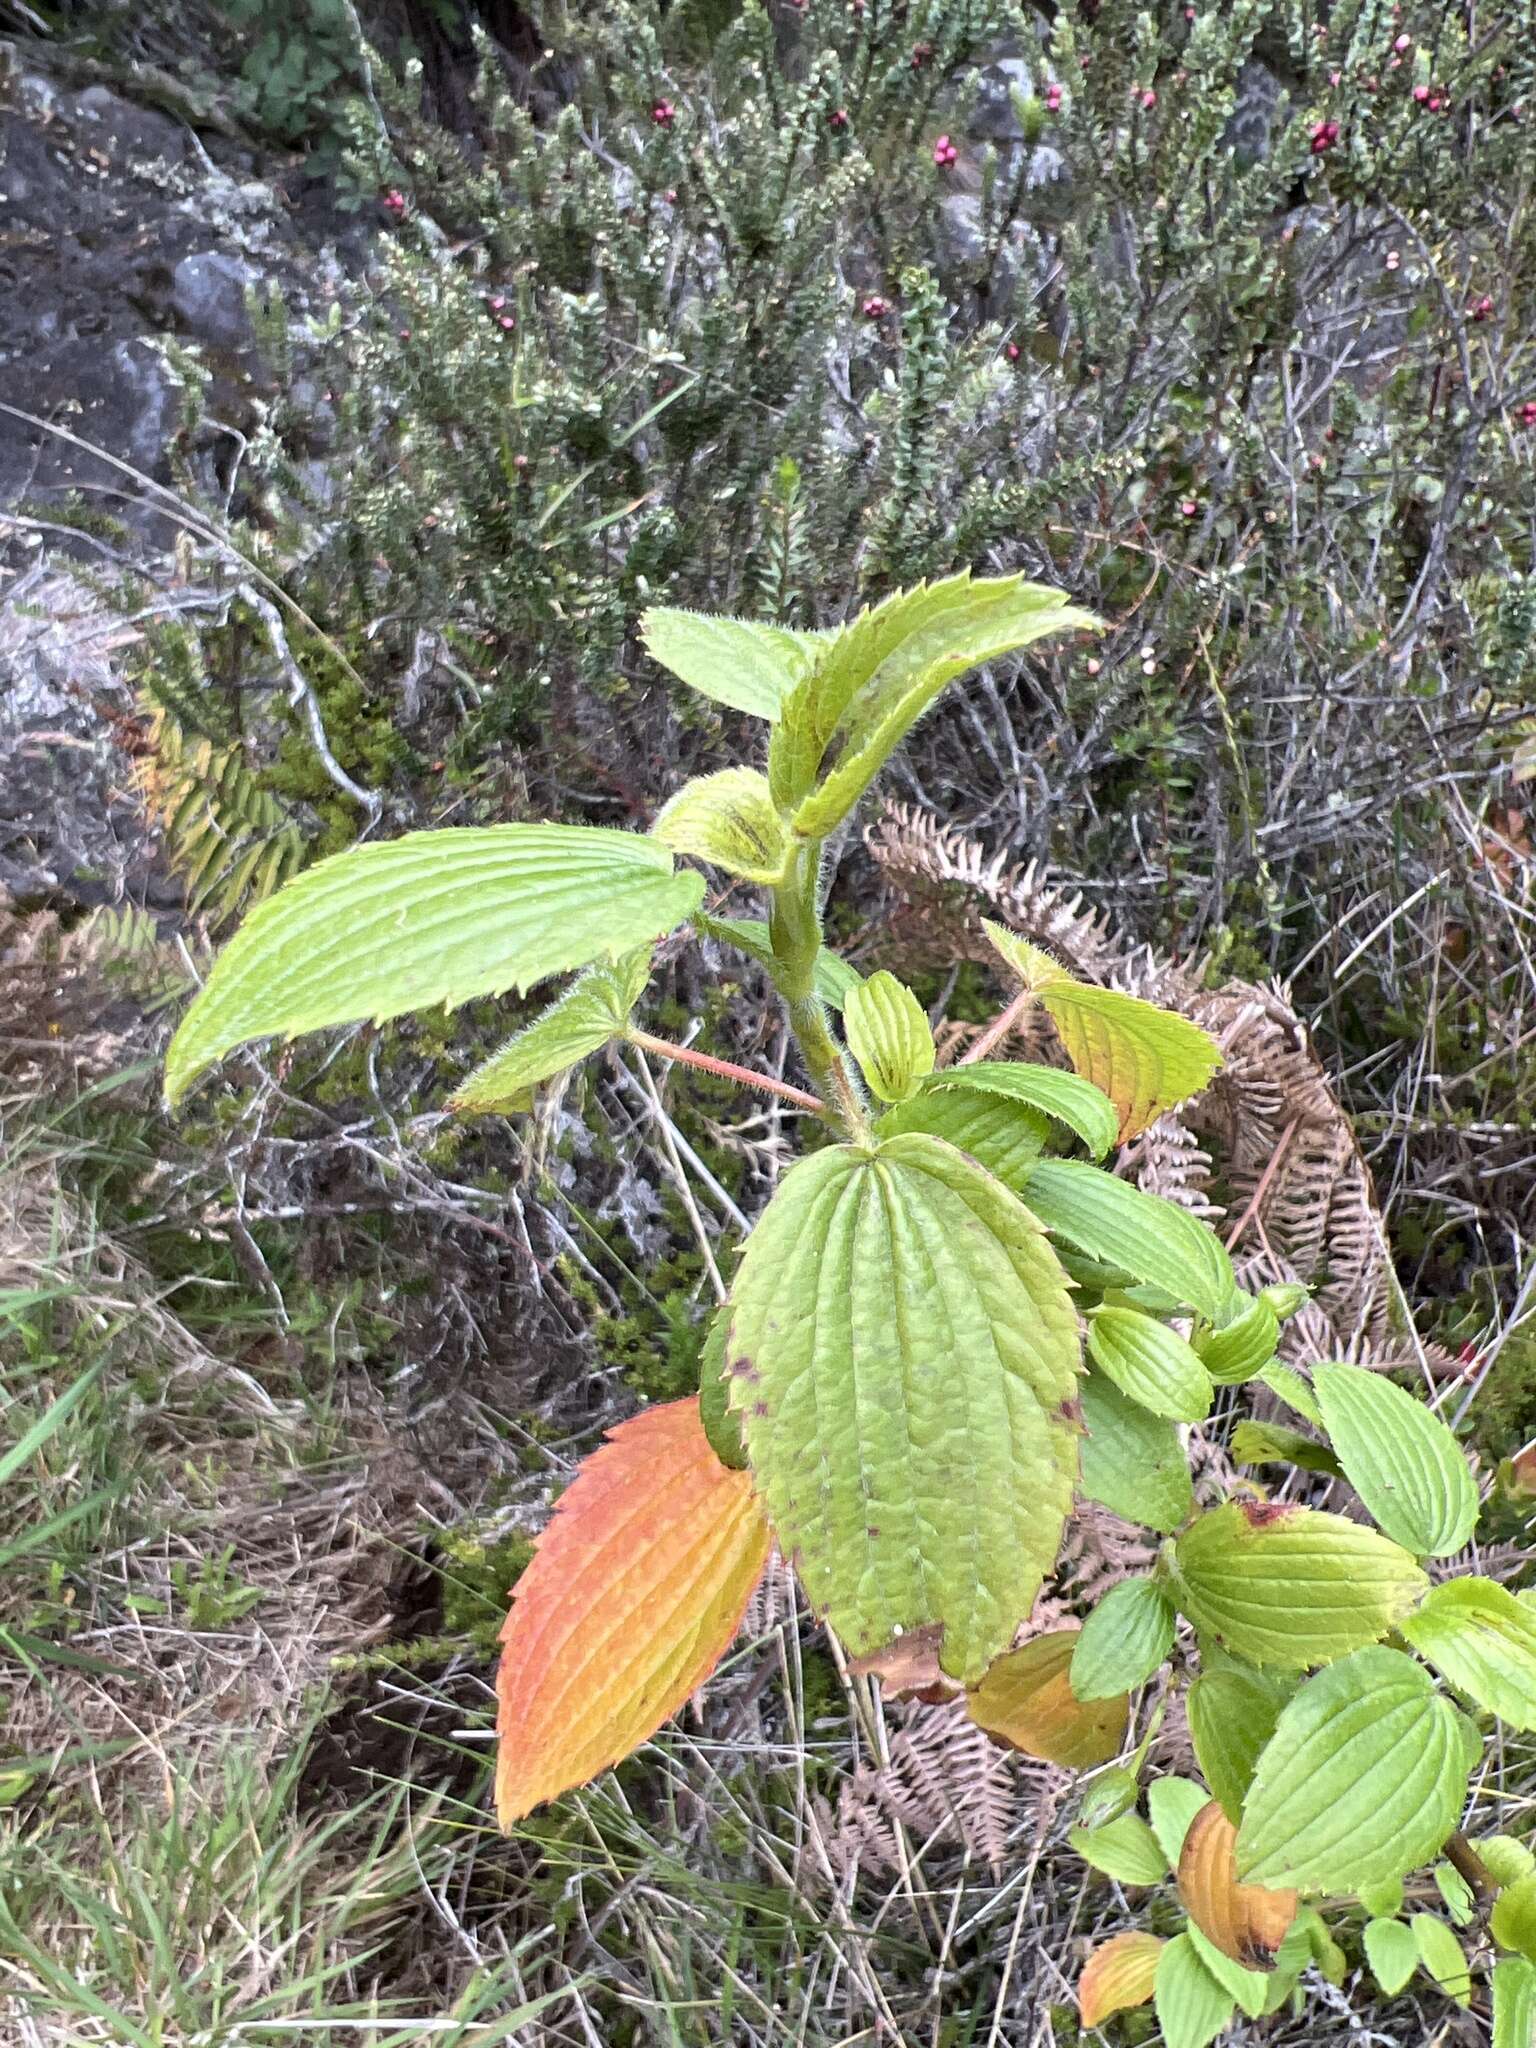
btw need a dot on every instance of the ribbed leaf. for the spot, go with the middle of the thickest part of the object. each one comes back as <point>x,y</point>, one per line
<point>1124,1640</point>
<point>1192,2007</point>
<point>1231,1717</point>
<point>1145,1059</point>
<point>1289,1586</point>
<point>1401,1460</point>
<point>1392,1953</point>
<point>1154,1240</point>
<point>1132,1462</point>
<point>1067,1098</point>
<point>435,917</point>
<point>1026,1700</point>
<point>592,1011</point>
<point>1363,1779</point>
<point>1117,1977</point>
<point>721,1423</point>
<point>1514,2004</point>
<point>904,1353</point>
<point>1172,1803</point>
<point>832,976</point>
<point>635,1590</point>
<point>1150,1363</point>
<point>1482,1640</point>
<point>888,1034</point>
<point>1272,1443</point>
<point>881,672</point>
<point>1247,1922</point>
<point>1003,1136</point>
<point>1244,1344</point>
<point>741,662</point>
<point>728,819</point>
<point>1124,1848</point>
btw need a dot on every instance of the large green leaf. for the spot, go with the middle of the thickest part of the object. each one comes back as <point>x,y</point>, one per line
<point>904,1354</point>
<point>1401,1460</point>
<point>1154,1240</point>
<point>1145,1059</point>
<point>741,662</point>
<point>1067,1098</point>
<point>1150,1363</point>
<point>1192,2006</point>
<point>1005,1137</point>
<point>1480,1638</point>
<point>435,917</point>
<point>1514,2003</point>
<point>832,976</point>
<point>728,819</point>
<point>1232,1714</point>
<point>879,674</point>
<point>1363,1779</point>
<point>1132,1462</point>
<point>888,1034</point>
<point>592,1011</point>
<point>1289,1586</point>
<point>1123,1641</point>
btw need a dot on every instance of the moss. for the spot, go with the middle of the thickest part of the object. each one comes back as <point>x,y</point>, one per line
<point>479,1570</point>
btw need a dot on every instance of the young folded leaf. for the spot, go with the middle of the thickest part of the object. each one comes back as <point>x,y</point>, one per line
<point>910,1494</point>
<point>1246,1922</point>
<point>1156,1241</point>
<point>435,917</point>
<point>1401,1460</point>
<point>1363,1780</point>
<point>1244,1344</point>
<point>1026,1701</point>
<point>729,820</point>
<point>744,663</point>
<point>592,1011</point>
<point>1124,1640</point>
<point>1193,2007</point>
<point>1117,1977</point>
<point>1145,1059</point>
<point>888,1034</point>
<point>1150,1363</point>
<point>635,1590</point>
<point>1289,1586</point>
<point>1482,1640</point>
<point>722,1425</point>
<point>1067,1098</point>
<point>1272,1443</point>
<point>1004,1136</point>
<point>1132,1462</point>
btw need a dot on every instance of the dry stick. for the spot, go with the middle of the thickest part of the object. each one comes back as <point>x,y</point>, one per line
<point>998,1029</point>
<point>664,1125</point>
<point>726,1070</point>
<point>1264,1181</point>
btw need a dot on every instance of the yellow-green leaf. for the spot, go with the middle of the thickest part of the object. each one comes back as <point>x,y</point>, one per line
<point>1514,2003</point>
<point>1117,1977</point>
<point>1442,1957</point>
<point>744,663</point>
<point>1172,1803</point>
<point>1067,1098</point>
<point>1232,1714</point>
<point>729,820</point>
<point>831,975</point>
<point>1244,1344</point>
<point>1026,1700</point>
<point>1272,1443</point>
<point>1124,1848</point>
<point>1401,1460</point>
<point>1392,1953</point>
<point>1192,2006</point>
<point>888,1035</point>
<point>1150,1363</point>
<point>1124,1640</point>
<point>1480,1638</point>
<point>1289,1586</point>
<point>1155,1241</point>
<point>1363,1779</point>
<point>1003,1136</point>
<point>592,1011</point>
<point>1132,1462</point>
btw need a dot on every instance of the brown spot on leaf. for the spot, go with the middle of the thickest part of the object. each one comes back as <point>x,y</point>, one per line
<point>908,1665</point>
<point>1264,1514</point>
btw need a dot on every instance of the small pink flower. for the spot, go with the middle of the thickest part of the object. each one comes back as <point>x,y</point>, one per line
<point>1334,77</point>
<point>1528,413</point>
<point>670,195</point>
<point>1324,136</point>
<point>507,322</point>
<point>663,113</point>
<point>1482,307</point>
<point>405,334</point>
<point>1190,508</point>
<point>874,307</point>
<point>497,303</point>
<point>1012,351</point>
<point>1403,43</point>
<point>1433,103</point>
<point>1149,99</point>
<point>1053,98</point>
<point>394,202</point>
<point>1421,93</point>
<point>945,153</point>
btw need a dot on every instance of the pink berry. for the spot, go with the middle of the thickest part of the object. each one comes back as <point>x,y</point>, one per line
<point>663,113</point>
<point>394,201</point>
<point>1189,508</point>
<point>838,118</point>
<point>875,308</point>
<point>1324,136</point>
<point>507,322</point>
<point>945,152</point>
<point>1528,413</point>
<point>497,303</point>
<point>1421,93</point>
<point>1012,351</point>
<point>1434,104</point>
<point>1053,98</point>
<point>1403,43</point>
<point>1149,99</point>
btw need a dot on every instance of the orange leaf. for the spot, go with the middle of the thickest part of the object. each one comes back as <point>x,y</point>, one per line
<point>1245,1921</point>
<point>1026,1701</point>
<point>635,1590</point>
<point>1117,1976</point>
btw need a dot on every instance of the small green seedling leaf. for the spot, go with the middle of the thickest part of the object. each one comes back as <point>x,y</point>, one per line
<point>1149,1363</point>
<point>1289,1586</point>
<point>436,917</point>
<point>1114,1791</point>
<point>1192,2006</point>
<point>1232,1714</point>
<point>1506,1859</point>
<point>1153,1240</point>
<point>888,1035</point>
<point>1292,1389</point>
<point>1401,1460</point>
<point>1132,1462</point>
<point>1145,1059</point>
<point>594,1009</point>
<point>1124,1848</point>
<point>1456,1894</point>
<point>743,663</point>
<point>1066,1098</point>
<point>1482,1640</point>
<point>1392,1953</point>
<point>1383,1901</point>
<point>1441,1957</point>
<point>730,821</point>
<point>1124,1640</point>
<point>1363,1779</point>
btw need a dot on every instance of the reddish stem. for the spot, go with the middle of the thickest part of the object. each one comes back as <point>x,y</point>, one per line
<point>727,1070</point>
<point>998,1029</point>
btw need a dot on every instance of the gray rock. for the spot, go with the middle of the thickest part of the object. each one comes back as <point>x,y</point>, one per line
<point>993,116</point>
<point>126,132</point>
<point>208,292</point>
<point>1262,102</point>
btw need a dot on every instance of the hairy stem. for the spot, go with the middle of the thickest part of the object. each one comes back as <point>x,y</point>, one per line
<point>727,1070</point>
<point>794,927</point>
<point>997,1030</point>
